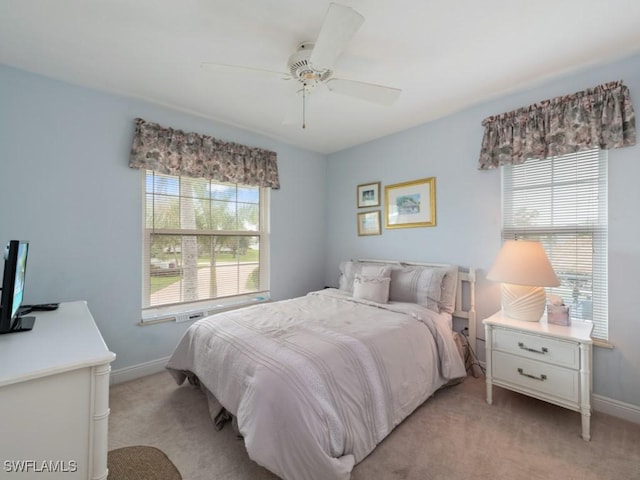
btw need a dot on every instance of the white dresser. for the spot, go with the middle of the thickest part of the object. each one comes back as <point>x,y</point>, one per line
<point>54,397</point>
<point>543,360</point>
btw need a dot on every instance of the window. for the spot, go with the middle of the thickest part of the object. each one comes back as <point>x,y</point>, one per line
<point>562,202</point>
<point>205,246</point>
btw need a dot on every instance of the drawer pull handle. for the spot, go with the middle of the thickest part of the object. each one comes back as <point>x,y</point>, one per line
<point>523,347</point>
<point>542,377</point>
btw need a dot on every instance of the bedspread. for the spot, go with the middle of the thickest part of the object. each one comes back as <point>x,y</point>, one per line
<point>316,382</point>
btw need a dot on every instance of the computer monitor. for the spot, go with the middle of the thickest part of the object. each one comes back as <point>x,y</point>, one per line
<point>15,267</point>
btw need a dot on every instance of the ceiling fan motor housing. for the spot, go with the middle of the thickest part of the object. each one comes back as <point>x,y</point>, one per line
<point>302,70</point>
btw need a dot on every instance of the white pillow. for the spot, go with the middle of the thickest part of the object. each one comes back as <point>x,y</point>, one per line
<point>415,284</point>
<point>346,273</point>
<point>449,286</point>
<point>349,270</point>
<point>374,288</point>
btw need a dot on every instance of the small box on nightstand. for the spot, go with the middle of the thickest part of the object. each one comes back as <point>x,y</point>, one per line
<point>558,315</point>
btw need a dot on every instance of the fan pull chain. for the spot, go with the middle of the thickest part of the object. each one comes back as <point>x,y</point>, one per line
<point>304,105</point>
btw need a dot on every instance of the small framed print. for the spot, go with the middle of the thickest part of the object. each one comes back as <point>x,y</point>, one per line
<point>369,223</point>
<point>369,195</point>
<point>411,204</point>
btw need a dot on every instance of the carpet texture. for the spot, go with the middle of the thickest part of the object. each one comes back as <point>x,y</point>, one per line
<point>454,435</point>
<point>140,463</point>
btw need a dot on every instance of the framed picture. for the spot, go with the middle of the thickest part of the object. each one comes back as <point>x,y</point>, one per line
<point>369,195</point>
<point>369,223</point>
<point>411,204</point>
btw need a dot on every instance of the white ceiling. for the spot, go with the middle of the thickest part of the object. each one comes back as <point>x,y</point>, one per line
<point>444,54</point>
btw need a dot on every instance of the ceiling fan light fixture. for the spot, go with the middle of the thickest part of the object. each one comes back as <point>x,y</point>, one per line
<point>302,70</point>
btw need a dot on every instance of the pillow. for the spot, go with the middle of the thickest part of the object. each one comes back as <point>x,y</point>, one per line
<point>415,284</point>
<point>346,276</point>
<point>349,270</point>
<point>374,288</point>
<point>449,286</point>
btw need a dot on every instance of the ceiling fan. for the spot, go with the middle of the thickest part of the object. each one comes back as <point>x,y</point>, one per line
<point>311,65</point>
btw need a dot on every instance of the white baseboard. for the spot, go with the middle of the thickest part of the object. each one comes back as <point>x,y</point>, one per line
<point>137,371</point>
<point>626,411</point>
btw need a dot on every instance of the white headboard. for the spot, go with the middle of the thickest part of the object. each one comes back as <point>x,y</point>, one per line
<point>465,292</point>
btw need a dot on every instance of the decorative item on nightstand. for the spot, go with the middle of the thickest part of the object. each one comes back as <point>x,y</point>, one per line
<point>557,311</point>
<point>524,269</point>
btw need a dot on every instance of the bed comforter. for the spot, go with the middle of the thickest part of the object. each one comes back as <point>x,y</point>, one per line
<point>318,381</point>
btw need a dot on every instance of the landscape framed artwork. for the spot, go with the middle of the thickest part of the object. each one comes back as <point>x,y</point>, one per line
<point>369,223</point>
<point>369,195</point>
<point>411,204</point>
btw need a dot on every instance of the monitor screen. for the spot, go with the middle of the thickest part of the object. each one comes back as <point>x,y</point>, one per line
<point>15,266</point>
<point>18,288</point>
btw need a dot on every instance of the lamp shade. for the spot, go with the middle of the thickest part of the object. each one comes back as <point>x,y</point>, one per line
<point>523,268</point>
<point>522,262</point>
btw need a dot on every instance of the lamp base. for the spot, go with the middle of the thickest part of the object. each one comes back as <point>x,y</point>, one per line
<point>522,302</point>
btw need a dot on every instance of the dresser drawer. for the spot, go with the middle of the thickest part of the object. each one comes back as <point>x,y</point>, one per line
<point>545,349</point>
<point>542,377</point>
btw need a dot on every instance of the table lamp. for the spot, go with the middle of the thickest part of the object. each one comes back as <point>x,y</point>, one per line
<point>524,269</point>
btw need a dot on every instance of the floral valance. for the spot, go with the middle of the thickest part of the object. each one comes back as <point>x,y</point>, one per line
<point>599,117</point>
<point>175,152</point>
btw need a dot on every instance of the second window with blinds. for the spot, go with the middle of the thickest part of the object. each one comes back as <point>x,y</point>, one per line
<point>562,202</point>
<point>205,246</point>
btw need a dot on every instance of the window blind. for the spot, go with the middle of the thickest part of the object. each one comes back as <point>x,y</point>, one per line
<point>562,202</point>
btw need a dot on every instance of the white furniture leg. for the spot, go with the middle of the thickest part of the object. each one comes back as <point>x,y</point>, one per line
<point>488,349</point>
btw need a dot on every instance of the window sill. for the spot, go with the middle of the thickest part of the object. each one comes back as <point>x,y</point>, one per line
<point>602,343</point>
<point>196,311</point>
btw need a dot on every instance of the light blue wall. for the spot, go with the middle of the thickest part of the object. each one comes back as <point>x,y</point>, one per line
<point>469,212</point>
<point>65,186</point>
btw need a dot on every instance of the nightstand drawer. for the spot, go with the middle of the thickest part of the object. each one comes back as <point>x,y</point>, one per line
<point>545,349</point>
<point>542,377</point>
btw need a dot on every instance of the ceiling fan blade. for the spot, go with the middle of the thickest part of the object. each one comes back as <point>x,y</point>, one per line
<point>240,70</point>
<point>338,27</point>
<point>365,91</point>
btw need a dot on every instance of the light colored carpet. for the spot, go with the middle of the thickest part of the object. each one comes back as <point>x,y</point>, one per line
<point>454,435</point>
<point>140,463</point>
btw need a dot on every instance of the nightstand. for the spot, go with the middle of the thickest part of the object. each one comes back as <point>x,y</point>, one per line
<point>546,361</point>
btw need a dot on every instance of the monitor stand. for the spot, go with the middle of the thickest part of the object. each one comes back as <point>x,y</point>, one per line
<point>21,324</point>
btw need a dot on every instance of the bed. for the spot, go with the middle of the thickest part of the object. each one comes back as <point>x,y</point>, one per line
<point>316,382</point>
